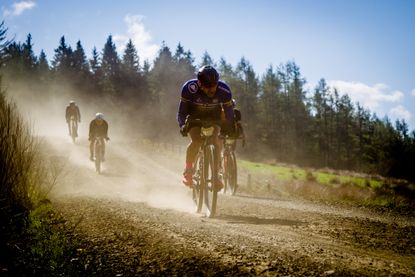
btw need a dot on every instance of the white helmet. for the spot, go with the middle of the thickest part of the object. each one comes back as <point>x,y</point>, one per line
<point>99,116</point>
<point>71,102</point>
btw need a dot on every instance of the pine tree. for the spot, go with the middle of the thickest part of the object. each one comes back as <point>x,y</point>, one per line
<point>207,60</point>
<point>130,60</point>
<point>270,111</point>
<point>43,67</point>
<point>4,43</point>
<point>29,59</point>
<point>80,62</point>
<point>62,61</point>
<point>96,72</point>
<point>110,67</point>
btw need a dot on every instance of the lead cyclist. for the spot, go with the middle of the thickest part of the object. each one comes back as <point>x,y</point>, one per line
<point>204,98</point>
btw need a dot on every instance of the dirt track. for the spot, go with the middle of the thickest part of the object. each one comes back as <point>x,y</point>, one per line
<point>137,219</point>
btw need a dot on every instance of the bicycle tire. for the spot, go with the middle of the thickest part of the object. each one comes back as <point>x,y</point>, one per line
<point>225,172</point>
<point>98,156</point>
<point>209,180</point>
<point>73,131</point>
<point>232,173</point>
<point>197,190</point>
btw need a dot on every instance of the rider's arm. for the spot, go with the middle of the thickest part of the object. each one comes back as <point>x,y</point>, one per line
<point>78,114</point>
<point>184,105</point>
<point>106,129</point>
<point>91,130</point>
<point>225,95</point>
<point>228,109</point>
<point>183,111</point>
<point>67,115</point>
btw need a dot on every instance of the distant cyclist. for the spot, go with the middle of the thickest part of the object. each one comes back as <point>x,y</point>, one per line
<point>72,114</point>
<point>203,98</point>
<point>239,131</point>
<point>98,128</point>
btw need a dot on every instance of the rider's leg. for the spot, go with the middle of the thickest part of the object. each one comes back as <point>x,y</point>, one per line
<point>191,152</point>
<point>91,149</point>
<point>194,145</point>
<point>69,127</point>
<point>218,145</point>
<point>103,150</point>
<point>76,128</point>
<point>218,150</point>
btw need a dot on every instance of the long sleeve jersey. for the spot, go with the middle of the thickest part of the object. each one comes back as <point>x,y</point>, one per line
<point>196,103</point>
<point>72,111</point>
<point>98,130</point>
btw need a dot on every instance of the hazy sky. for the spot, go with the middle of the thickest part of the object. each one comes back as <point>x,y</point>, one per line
<point>365,48</point>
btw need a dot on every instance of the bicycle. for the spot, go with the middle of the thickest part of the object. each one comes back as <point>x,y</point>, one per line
<point>230,171</point>
<point>99,153</point>
<point>73,128</point>
<point>205,168</point>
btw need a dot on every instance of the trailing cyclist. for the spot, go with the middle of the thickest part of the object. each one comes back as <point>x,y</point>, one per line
<point>98,128</point>
<point>203,98</point>
<point>239,131</point>
<point>72,114</point>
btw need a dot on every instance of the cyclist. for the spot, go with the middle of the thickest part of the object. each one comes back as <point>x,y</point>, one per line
<point>72,110</point>
<point>203,98</point>
<point>239,131</point>
<point>97,128</point>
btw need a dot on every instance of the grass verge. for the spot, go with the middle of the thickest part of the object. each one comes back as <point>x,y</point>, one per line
<point>328,186</point>
<point>32,239</point>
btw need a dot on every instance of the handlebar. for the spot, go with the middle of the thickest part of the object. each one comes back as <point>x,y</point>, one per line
<point>200,123</point>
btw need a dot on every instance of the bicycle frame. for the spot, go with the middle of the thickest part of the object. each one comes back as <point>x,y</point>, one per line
<point>99,152</point>
<point>73,127</point>
<point>206,170</point>
<point>229,165</point>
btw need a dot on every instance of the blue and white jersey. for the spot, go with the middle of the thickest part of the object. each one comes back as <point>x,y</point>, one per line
<point>197,104</point>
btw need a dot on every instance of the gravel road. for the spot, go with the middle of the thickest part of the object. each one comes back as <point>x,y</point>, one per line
<point>137,219</point>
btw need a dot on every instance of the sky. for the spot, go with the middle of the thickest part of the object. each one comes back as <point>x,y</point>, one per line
<point>365,48</point>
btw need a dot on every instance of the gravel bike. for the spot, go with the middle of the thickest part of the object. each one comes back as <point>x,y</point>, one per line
<point>205,168</point>
<point>230,172</point>
<point>73,128</point>
<point>99,145</point>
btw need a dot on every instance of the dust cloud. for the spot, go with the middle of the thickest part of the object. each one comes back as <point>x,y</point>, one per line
<point>131,172</point>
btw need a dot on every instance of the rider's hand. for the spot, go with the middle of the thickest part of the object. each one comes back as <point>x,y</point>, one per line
<point>107,138</point>
<point>89,138</point>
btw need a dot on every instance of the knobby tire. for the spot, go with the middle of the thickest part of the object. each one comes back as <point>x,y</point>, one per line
<point>232,173</point>
<point>209,179</point>
<point>198,184</point>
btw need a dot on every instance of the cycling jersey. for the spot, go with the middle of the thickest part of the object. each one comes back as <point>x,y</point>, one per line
<point>72,111</point>
<point>98,130</point>
<point>197,104</point>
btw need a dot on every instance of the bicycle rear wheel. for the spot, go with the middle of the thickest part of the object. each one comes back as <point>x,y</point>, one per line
<point>232,173</point>
<point>98,157</point>
<point>73,131</point>
<point>209,180</point>
<point>197,190</point>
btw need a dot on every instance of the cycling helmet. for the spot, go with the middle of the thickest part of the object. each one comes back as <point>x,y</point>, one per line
<point>99,116</point>
<point>208,76</point>
<point>71,102</point>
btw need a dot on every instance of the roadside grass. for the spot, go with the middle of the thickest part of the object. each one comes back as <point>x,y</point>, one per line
<point>31,242</point>
<point>327,185</point>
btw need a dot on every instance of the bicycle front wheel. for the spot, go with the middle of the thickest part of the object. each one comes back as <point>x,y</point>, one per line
<point>98,157</point>
<point>197,189</point>
<point>232,173</point>
<point>73,131</point>
<point>209,179</point>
